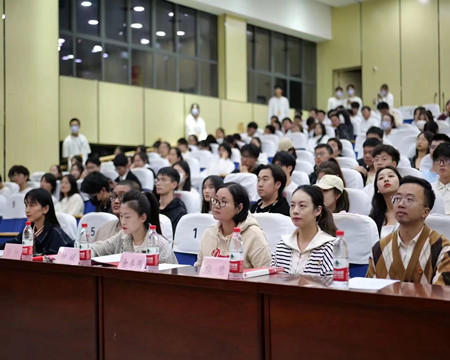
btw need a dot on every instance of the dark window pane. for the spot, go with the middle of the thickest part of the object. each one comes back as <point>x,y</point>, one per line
<point>141,14</point>
<point>279,53</point>
<point>66,57</point>
<point>165,19</point>
<point>309,96</point>
<point>186,32</point>
<point>188,75</point>
<point>295,56</point>
<point>263,88</point>
<point>88,19</point>
<point>250,42</point>
<point>116,64</point>
<point>310,61</point>
<point>65,14</point>
<point>165,72</point>
<point>142,68</point>
<point>89,59</point>
<point>251,86</point>
<point>208,35</point>
<point>116,20</point>
<point>295,95</point>
<point>208,79</point>
<point>262,47</point>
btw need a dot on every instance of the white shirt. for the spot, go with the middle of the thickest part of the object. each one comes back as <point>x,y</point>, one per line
<point>364,124</point>
<point>24,191</point>
<point>350,99</point>
<point>333,103</point>
<point>288,191</point>
<point>278,107</point>
<point>76,145</point>
<point>313,142</point>
<point>406,251</point>
<point>221,167</point>
<point>196,127</point>
<point>389,99</point>
<point>444,191</point>
<point>73,205</point>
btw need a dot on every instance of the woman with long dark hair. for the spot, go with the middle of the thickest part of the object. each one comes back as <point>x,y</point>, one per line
<point>185,175</point>
<point>210,186</point>
<point>320,136</point>
<point>422,148</point>
<point>70,200</point>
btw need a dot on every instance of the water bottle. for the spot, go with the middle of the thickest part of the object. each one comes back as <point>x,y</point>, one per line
<point>152,250</point>
<point>27,242</point>
<point>340,262</point>
<point>84,245</point>
<point>236,255</point>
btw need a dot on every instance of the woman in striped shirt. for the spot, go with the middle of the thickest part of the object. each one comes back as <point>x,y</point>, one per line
<point>309,250</point>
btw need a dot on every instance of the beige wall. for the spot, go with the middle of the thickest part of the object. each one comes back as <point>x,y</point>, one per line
<point>444,23</point>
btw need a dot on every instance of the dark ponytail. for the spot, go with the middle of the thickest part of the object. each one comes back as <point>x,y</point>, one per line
<point>325,219</point>
<point>144,203</point>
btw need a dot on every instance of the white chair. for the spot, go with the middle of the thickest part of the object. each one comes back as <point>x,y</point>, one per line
<point>157,164</point>
<point>359,141</point>
<point>439,223</point>
<point>12,186</point>
<point>271,137</point>
<point>409,172</point>
<point>305,155</point>
<point>434,108</point>
<point>247,180</point>
<point>189,232</point>
<point>107,166</point>
<point>304,166</point>
<point>191,200</point>
<point>439,204</point>
<point>346,162</point>
<point>299,140</point>
<point>235,155</point>
<point>361,234</point>
<point>2,205</point>
<point>110,174</point>
<point>407,111</point>
<point>347,149</point>
<point>274,225</point>
<point>34,184</point>
<point>268,147</point>
<point>359,201</point>
<point>331,133</point>
<point>426,163</point>
<point>151,155</point>
<point>445,130</point>
<point>145,177</point>
<point>36,176</point>
<point>404,162</point>
<point>404,145</point>
<point>15,207</point>
<point>95,220</point>
<point>204,158</point>
<point>215,149</point>
<point>197,181</point>
<point>68,224</point>
<point>194,165</point>
<point>263,159</point>
<point>300,178</point>
<point>353,178</point>
<point>166,227</point>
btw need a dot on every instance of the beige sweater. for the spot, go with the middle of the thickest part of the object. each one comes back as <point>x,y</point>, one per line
<point>108,230</point>
<point>256,248</point>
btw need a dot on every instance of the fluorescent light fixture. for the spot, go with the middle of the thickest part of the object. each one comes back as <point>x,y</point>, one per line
<point>78,61</point>
<point>424,1</point>
<point>70,56</point>
<point>96,49</point>
<point>171,14</point>
<point>3,16</point>
<point>136,26</point>
<point>93,22</point>
<point>138,8</point>
<point>145,41</point>
<point>86,3</point>
<point>181,33</point>
<point>160,33</point>
<point>105,55</point>
<point>61,41</point>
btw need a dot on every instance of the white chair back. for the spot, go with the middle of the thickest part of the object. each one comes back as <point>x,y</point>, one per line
<point>359,141</point>
<point>166,227</point>
<point>247,180</point>
<point>299,140</point>
<point>434,108</point>
<point>235,155</point>
<point>404,162</point>
<point>2,205</point>
<point>445,130</point>
<point>68,224</point>
<point>305,155</point>
<point>407,111</point>
<point>145,177</point>
<point>110,174</point>
<point>409,171</point>
<point>330,131</point>
<point>197,181</point>
<point>215,149</point>
<point>15,207</point>
<point>359,201</point>
<point>407,145</point>
<point>347,149</point>
<point>12,186</point>
<point>353,178</point>
<point>268,147</point>
<point>346,162</point>
<point>157,164</point>
<point>426,163</point>
<point>204,158</point>
<point>151,155</point>
<point>194,165</point>
<point>271,137</point>
<point>189,232</point>
<point>36,176</point>
<point>361,234</point>
<point>34,184</point>
<point>439,223</point>
<point>94,220</point>
<point>274,225</point>
<point>300,177</point>
<point>107,166</point>
<point>304,166</point>
<point>191,200</point>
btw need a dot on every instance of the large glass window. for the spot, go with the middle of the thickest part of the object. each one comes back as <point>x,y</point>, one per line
<point>277,59</point>
<point>150,43</point>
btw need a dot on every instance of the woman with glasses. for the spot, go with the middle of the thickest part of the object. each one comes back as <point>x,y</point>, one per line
<point>386,184</point>
<point>70,200</point>
<point>230,206</point>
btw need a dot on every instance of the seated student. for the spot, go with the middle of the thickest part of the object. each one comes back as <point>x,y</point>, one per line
<point>367,120</point>
<point>210,185</point>
<point>337,146</point>
<point>166,183</point>
<point>123,169</point>
<point>330,167</point>
<point>120,150</point>
<point>56,171</point>
<point>48,235</point>
<point>140,160</point>
<point>183,145</point>
<point>252,128</point>
<point>334,195</point>
<point>224,166</point>
<point>185,176</point>
<point>164,149</point>
<point>137,212</point>
<point>4,190</point>
<point>111,228</point>
<point>204,145</point>
<point>413,253</point>
<point>387,124</point>
<point>77,170</point>
<point>342,130</point>
<point>20,175</point>
<point>269,130</point>
<point>375,132</point>
<point>446,113</point>
<point>386,184</point>
<point>311,125</point>
<point>322,152</point>
<point>48,182</point>
<point>355,117</point>
<point>193,140</point>
<point>271,183</point>
<point>322,117</point>
<point>430,173</point>
<point>441,160</point>
<point>174,155</point>
<point>140,149</point>
<point>422,148</point>
<point>286,144</point>
<point>249,158</point>
<point>365,163</point>
<point>96,186</point>
<point>93,164</point>
<point>320,136</point>
<point>70,200</point>
<point>287,162</point>
<point>220,136</point>
<point>309,250</point>
<point>286,125</point>
<point>230,206</point>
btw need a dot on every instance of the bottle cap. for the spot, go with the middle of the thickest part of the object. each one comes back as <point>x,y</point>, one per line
<point>27,223</point>
<point>340,233</point>
<point>236,229</point>
<point>153,227</point>
<point>84,225</point>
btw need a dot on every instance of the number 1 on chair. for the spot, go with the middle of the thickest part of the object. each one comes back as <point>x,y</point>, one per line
<point>195,233</point>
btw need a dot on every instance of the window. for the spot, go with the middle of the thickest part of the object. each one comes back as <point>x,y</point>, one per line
<point>278,59</point>
<point>150,43</point>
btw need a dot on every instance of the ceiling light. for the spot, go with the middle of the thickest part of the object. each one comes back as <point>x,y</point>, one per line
<point>61,41</point>
<point>171,14</point>
<point>3,16</point>
<point>145,41</point>
<point>96,49</point>
<point>160,33</point>
<point>181,33</point>
<point>136,26</point>
<point>138,8</point>
<point>86,3</point>
<point>105,55</point>
<point>93,22</point>
<point>78,61</point>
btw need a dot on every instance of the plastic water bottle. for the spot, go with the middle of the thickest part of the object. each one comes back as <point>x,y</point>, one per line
<point>236,255</point>
<point>340,262</point>
<point>152,250</point>
<point>27,242</point>
<point>84,244</point>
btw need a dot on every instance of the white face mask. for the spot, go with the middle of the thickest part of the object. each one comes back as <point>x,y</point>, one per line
<point>194,111</point>
<point>420,124</point>
<point>383,92</point>
<point>385,125</point>
<point>338,94</point>
<point>351,92</point>
<point>75,129</point>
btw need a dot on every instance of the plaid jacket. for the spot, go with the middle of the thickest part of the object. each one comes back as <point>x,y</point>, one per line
<point>429,263</point>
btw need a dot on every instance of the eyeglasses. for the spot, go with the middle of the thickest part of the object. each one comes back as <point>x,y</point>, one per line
<point>220,203</point>
<point>320,154</point>
<point>438,162</point>
<point>113,197</point>
<point>408,201</point>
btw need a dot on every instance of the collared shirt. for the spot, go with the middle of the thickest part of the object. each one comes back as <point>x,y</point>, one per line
<point>407,250</point>
<point>444,190</point>
<point>124,177</point>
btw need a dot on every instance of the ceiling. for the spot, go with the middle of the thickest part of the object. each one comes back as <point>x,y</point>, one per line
<point>338,3</point>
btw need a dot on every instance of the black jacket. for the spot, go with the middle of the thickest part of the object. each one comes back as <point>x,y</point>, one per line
<point>279,207</point>
<point>174,211</point>
<point>345,130</point>
<point>130,176</point>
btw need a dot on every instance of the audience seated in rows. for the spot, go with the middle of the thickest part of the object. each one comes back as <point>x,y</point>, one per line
<point>122,166</point>
<point>210,185</point>
<point>70,200</point>
<point>96,186</point>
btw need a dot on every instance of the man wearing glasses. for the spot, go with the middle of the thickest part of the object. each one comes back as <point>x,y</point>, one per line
<point>322,152</point>
<point>441,162</point>
<point>96,186</point>
<point>414,252</point>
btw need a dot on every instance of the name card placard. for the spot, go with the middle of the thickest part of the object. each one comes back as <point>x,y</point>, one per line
<point>12,251</point>
<point>133,261</point>
<point>68,256</point>
<point>215,267</point>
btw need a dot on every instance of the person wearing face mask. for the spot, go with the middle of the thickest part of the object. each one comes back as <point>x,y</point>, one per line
<point>337,100</point>
<point>75,143</point>
<point>387,124</point>
<point>352,97</point>
<point>421,119</point>
<point>195,125</point>
<point>385,96</point>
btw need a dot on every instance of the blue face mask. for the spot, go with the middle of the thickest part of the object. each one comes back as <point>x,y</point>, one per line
<point>385,125</point>
<point>75,129</point>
